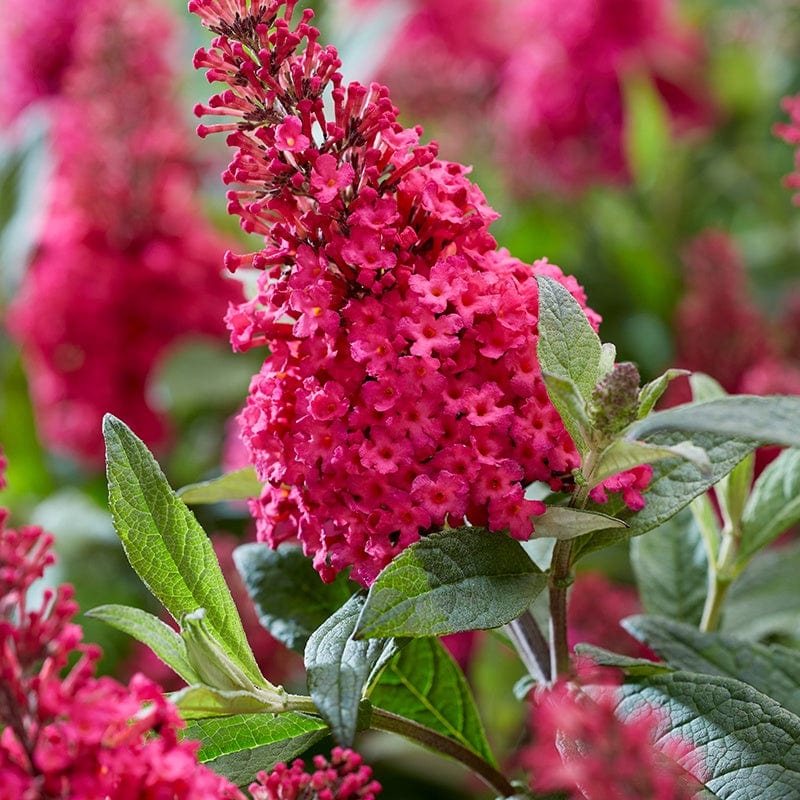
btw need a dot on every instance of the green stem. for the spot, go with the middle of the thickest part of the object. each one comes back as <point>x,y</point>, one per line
<point>386,721</point>
<point>559,582</point>
<point>381,720</point>
<point>720,578</point>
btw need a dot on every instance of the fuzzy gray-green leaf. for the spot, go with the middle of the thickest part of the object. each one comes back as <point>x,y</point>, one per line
<point>455,580</point>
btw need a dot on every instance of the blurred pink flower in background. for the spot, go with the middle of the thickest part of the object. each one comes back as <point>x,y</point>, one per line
<point>125,264</point>
<point>549,77</point>
<point>581,748</point>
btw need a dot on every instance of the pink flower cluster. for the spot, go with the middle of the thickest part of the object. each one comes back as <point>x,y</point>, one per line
<point>582,749</point>
<point>125,265</point>
<point>549,77</point>
<point>720,329</point>
<point>344,777</point>
<point>790,133</point>
<point>402,391</point>
<point>66,733</point>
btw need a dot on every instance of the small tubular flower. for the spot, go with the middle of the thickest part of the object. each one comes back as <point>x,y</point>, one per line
<point>343,777</point>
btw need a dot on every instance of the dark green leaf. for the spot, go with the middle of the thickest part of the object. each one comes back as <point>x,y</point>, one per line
<point>747,746</point>
<point>774,504</point>
<point>630,666</point>
<point>560,522</point>
<point>423,683</point>
<point>456,580</point>
<point>339,668</point>
<point>674,484</point>
<point>766,420</point>
<point>568,347</point>
<point>672,569</point>
<point>289,596</point>
<point>239,747</point>
<point>764,600</point>
<point>165,642</point>
<point>239,485</point>
<point>165,544</point>
<point>774,670</point>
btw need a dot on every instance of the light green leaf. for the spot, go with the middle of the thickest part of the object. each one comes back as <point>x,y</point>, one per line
<point>747,746</point>
<point>622,455</point>
<point>423,683</point>
<point>239,747</point>
<point>200,702</point>
<point>704,387</point>
<point>568,346</point>
<point>165,642</point>
<point>635,667</point>
<point>340,668</point>
<point>239,485</point>
<point>560,522</point>
<point>675,483</point>
<point>651,392</point>
<point>764,600</point>
<point>774,504</point>
<point>165,544</point>
<point>646,133</point>
<point>774,670</point>
<point>672,569</point>
<point>766,420</point>
<point>289,596</point>
<point>566,398</point>
<point>455,580</point>
<point>608,355</point>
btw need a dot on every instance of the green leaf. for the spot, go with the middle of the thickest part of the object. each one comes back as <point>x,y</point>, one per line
<point>635,667</point>
<point>766,420</point>
<point>566,398</point>
<point>165,544</point>
<point>747,746</point>
<point>239,747</point>
<point>704,387</point>
<point>239,485</point>
<point>651,392</point>
<point>774,504</point>
<point>774,670</point>
<point>340,668</point>
<point>647,128</point>
<point>424,684</point>
<point>560,522</point>
<point>732,491</point>
<point>455,580</point>
<point>201,702</point>
<point>622,455</point>
<point>568,346</point>
<point>25,170</point>
<point>165,642</point>
<point>764,600</point>
<point>671,569</point>
<point>289,596</point>
<point>675,483</point>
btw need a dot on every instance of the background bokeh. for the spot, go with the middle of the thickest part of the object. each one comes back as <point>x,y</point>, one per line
<point>631,142</point>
